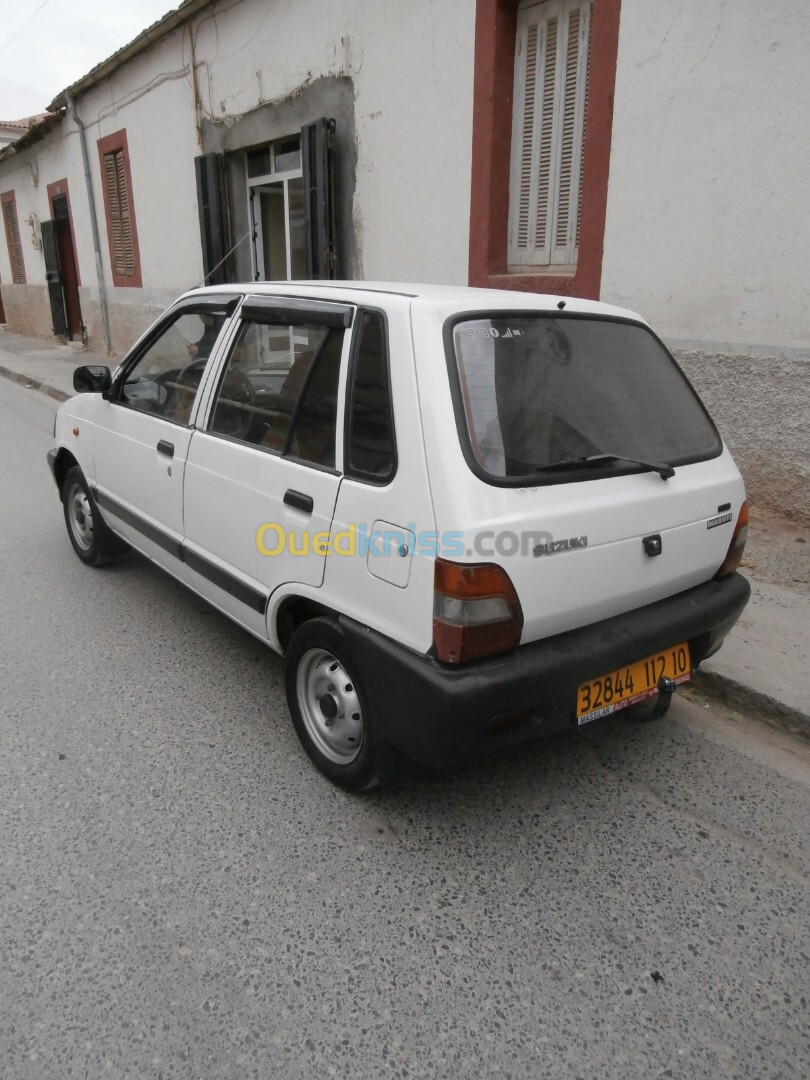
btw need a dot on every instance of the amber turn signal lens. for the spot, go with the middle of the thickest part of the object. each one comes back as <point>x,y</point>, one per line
<point>737,546</point>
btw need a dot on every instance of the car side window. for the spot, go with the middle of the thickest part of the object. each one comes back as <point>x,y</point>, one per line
<point>165,379</point>
<point>371,445</point>
<point>279,389</point>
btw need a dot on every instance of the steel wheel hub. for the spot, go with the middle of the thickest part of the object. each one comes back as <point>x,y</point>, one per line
<point>81,516</point>
<point>329,706</point>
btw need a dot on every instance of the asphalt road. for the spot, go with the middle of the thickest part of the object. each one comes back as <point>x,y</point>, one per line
<point>181,894</point>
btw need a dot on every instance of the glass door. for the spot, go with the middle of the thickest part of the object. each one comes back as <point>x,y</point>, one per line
<point>276,197</point>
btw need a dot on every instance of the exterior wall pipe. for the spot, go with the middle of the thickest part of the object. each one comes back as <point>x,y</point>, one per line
<point>91,199</point>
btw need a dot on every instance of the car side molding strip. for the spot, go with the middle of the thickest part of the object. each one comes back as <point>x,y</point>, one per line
<point>229,583</point>
<point>226,581</point>
<point>150,531</point>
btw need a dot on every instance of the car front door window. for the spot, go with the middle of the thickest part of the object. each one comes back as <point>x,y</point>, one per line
<point>165,379</point>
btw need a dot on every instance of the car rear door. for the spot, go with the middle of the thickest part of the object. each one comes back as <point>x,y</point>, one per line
<point>262,475</point>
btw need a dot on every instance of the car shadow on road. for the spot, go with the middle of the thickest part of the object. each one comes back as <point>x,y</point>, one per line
<point>613,774</point>
<point>223,656</point>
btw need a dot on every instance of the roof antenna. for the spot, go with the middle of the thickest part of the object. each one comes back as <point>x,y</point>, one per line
<point>561,304</point>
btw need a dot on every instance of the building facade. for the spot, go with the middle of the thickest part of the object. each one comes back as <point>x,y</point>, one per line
<point>647,155</point>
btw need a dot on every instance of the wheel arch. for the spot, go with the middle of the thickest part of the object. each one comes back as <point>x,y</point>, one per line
<point>294,611</point>
<point>63,462</point>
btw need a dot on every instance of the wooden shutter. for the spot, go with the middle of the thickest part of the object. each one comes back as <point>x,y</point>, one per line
<point>118,200</point>
<point>13,241</point>
<point>319,169</point>
<point>212,205</point>
<point>548,128</point>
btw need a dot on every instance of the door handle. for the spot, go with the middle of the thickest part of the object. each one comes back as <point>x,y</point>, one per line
<point>166,448</point>
<point>299,500</point>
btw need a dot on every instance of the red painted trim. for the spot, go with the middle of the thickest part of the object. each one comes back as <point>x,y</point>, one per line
<point>495,30</point>
<point>10,197</point>
<point>118,141</point>
<point>60,187</point>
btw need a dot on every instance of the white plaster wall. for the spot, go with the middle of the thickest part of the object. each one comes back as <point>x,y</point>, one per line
<point>411,66</point>
<point>151,97</point>
<point>414,105</point>
<point>162,144</point>
<point>29,174</point>
<point>708,227</point>
<point>412,69</point>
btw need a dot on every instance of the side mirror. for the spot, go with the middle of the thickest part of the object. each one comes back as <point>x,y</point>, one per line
<point>92,379</point>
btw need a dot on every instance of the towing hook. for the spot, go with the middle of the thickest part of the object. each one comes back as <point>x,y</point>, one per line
<point>666,686</point>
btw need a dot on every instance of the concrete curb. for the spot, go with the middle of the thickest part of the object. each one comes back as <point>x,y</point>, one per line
<point>34,384</point>
<point>769,710</point>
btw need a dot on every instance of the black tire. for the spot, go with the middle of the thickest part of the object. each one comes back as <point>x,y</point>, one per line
<point>329,709</point>
<point>651,709</point>
<point>92,539</point>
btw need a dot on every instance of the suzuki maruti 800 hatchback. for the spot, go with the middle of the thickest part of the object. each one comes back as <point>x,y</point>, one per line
<point>467,518</point>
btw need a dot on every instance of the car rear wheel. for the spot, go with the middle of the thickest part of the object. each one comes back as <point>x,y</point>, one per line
<point>328,706</point>
<point>92,539</point>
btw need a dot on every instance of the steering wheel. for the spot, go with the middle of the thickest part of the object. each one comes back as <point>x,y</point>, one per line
<point>229,418</point>
<point>236,386</point>
<point>198,364</point>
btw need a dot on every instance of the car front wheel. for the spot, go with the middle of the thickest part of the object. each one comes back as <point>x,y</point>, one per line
<point>92,539</point>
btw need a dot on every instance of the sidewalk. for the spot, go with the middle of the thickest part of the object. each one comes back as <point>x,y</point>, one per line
<point>44,366</point>
<point>765,661</point>
<point>767,654</point>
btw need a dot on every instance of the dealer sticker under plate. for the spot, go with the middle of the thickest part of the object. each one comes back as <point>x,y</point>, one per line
<point>629,685</point>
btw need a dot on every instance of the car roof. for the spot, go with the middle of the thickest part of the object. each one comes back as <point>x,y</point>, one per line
<point>440,297</point>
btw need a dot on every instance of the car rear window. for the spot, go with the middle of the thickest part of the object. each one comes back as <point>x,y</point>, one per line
<point>532,391</point>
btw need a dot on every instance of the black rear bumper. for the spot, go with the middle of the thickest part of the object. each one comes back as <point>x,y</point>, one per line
<point>439,714</point>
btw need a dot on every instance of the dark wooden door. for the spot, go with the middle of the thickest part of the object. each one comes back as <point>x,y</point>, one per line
<point>67,265</point>
<point>53,278</point>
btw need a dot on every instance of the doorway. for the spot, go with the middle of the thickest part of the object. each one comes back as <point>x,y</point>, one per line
<point>62,268</point>
<point>276,198</point>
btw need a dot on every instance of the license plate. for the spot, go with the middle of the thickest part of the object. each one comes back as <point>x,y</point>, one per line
<point>628,685</point>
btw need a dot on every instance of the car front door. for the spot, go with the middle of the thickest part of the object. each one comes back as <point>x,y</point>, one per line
<point>262,475</point>
<point>145,428</point>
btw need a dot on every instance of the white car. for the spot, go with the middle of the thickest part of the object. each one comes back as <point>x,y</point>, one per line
<point>466,517</point>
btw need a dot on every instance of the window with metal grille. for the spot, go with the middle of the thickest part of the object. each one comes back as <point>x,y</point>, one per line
<point>121,228</point>
<point>551,87</point>
<point>12,227</point>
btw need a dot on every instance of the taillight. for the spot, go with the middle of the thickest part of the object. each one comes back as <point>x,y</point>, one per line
<point>737,546</point>
<point>476,611</point>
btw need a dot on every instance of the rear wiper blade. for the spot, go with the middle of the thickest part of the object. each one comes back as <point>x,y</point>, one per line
<point>664,471</point>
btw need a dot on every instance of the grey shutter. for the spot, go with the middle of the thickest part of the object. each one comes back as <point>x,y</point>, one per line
<point>53,277</point>
<point>318,161</point>
<point>212,204</point>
